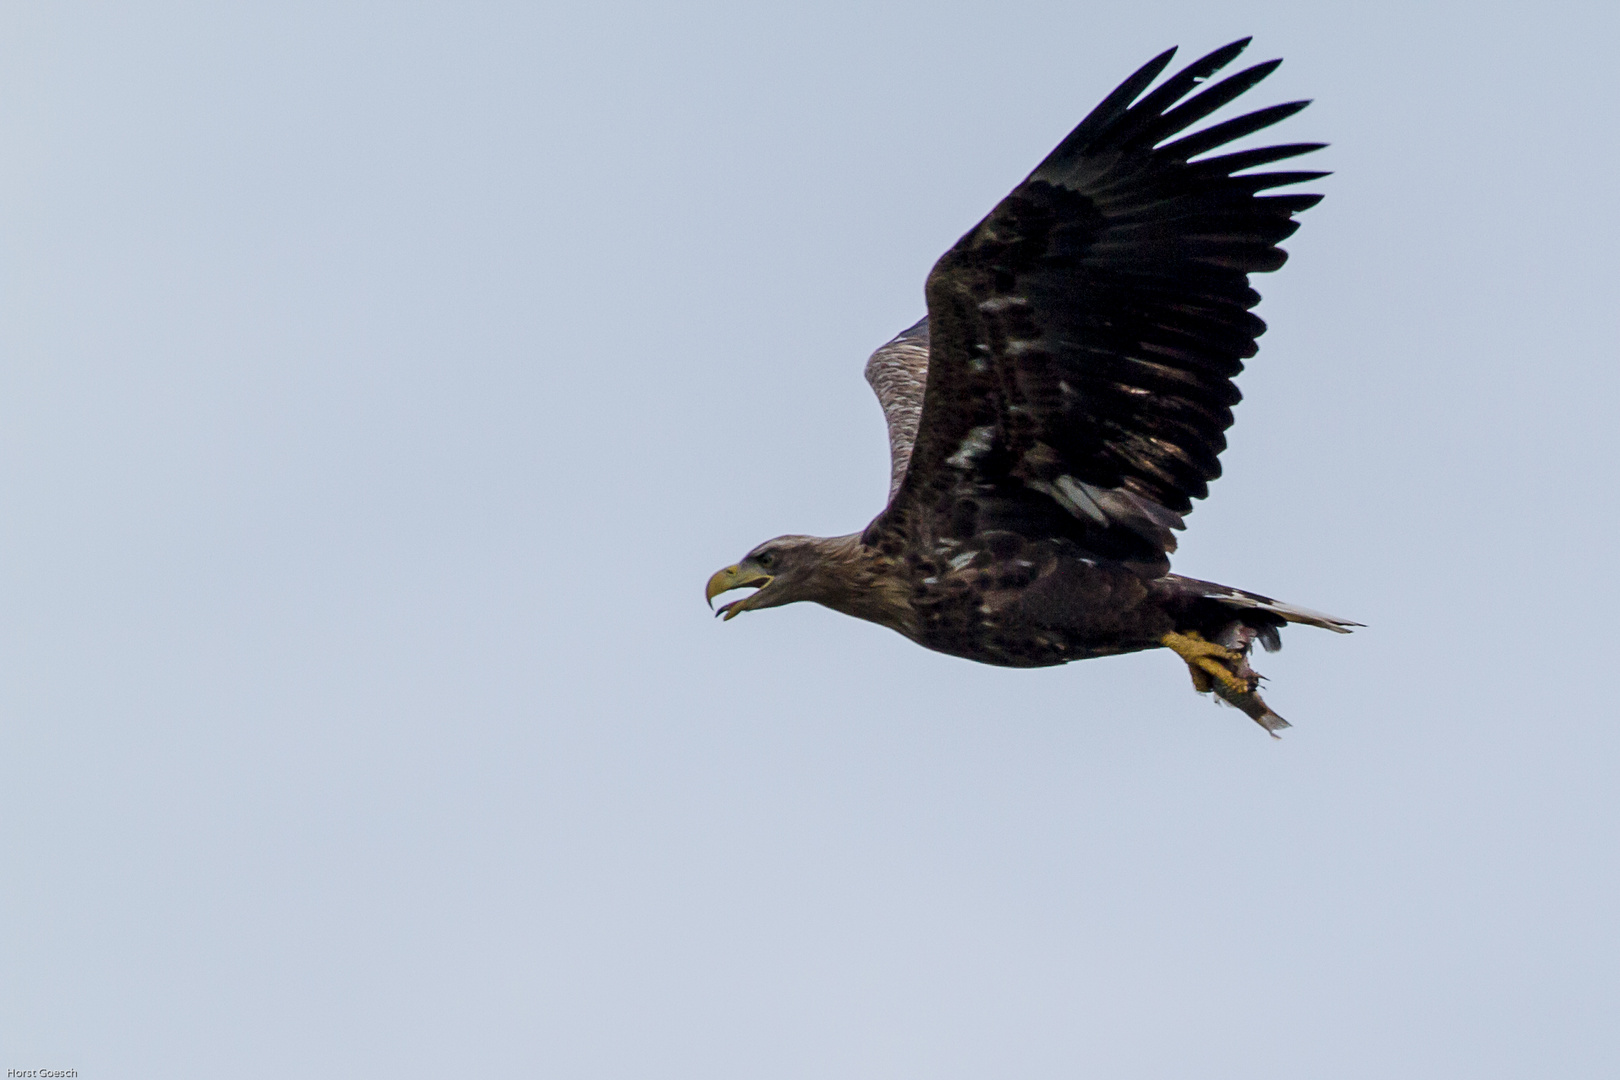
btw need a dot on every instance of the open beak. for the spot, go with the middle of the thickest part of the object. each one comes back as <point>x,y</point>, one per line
<point>734,577</point>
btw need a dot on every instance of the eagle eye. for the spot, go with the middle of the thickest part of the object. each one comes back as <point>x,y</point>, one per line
<point>765,558</point>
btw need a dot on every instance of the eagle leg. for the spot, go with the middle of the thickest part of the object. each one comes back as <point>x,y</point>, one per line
<point>1237,684</point>
<point>1204,660</point>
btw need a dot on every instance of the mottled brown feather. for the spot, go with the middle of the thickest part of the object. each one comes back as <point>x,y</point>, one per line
<point>1083,337</point>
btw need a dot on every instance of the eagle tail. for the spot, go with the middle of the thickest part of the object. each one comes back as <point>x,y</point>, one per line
<point>1217,653</point>
<point>1241,601</point>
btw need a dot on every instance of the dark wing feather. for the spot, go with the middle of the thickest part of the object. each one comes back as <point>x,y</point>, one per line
<point>1085,335</point>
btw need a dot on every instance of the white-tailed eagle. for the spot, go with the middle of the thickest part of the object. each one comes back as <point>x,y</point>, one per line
<point>1065,400</point>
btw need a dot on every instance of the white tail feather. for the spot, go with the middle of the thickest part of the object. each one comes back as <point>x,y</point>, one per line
<point>1239,599</point>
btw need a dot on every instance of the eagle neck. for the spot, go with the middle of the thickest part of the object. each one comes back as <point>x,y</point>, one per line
<point>857,580</point>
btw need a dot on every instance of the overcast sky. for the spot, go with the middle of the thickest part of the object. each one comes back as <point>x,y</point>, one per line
<point>380,383</point>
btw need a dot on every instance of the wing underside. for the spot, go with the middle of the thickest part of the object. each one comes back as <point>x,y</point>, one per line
<point>1082,340</point>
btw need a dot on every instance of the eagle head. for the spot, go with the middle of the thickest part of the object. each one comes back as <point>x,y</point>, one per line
<point>781,571</point>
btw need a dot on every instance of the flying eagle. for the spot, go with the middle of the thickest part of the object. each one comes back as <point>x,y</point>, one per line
<point>1065,399</point>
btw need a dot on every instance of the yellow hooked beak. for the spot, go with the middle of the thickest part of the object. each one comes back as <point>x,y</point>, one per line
<point>734,577</point>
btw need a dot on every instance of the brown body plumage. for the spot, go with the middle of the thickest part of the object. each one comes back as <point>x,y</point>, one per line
<point>1053,417</point>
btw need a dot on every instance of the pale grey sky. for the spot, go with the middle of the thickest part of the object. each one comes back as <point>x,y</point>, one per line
<point>381,382</point>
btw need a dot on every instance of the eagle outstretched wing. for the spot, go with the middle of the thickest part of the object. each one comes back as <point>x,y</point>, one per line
<point>898,372</point>
<point>1082,339</point>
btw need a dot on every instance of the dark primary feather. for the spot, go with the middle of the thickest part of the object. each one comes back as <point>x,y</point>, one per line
<point>1082,339</point>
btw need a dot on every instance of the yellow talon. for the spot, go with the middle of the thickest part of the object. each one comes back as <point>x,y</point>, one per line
<point>1192,645</point>
<point>1233,684</point>
<point>1236,685</point>
<point>1203,659</point>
